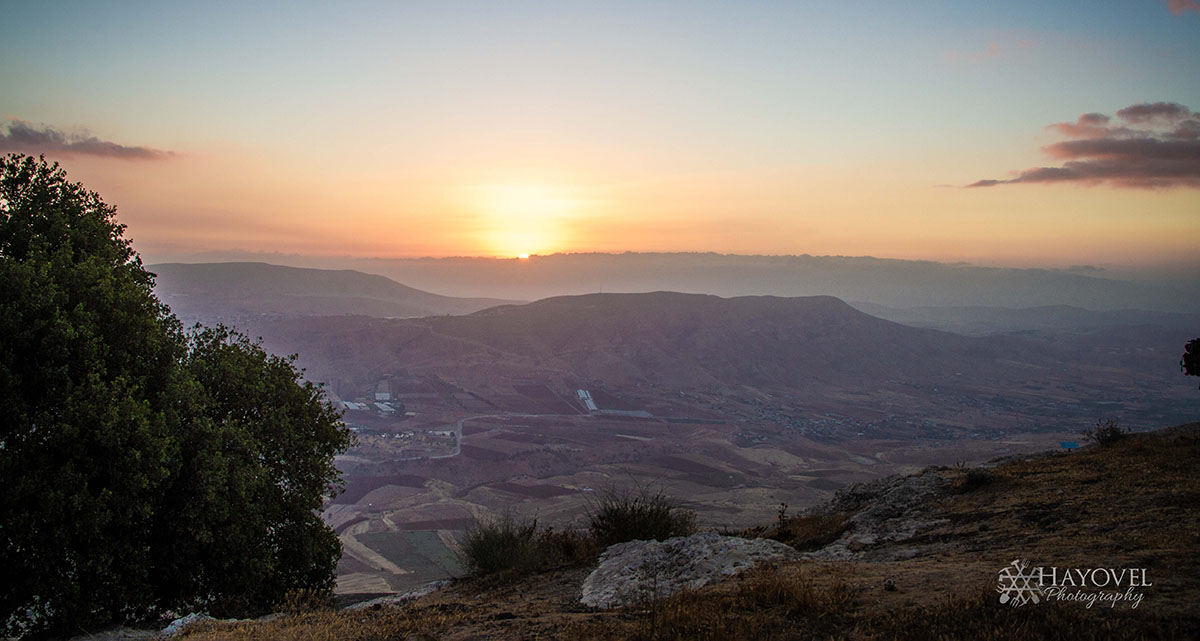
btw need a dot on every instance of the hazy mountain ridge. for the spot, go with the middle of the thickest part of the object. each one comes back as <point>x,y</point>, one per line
<point>882,281</point>
<point>976,320</point>
<point>205,291</point>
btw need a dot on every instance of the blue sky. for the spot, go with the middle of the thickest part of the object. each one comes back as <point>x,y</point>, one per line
<point>624,125</point>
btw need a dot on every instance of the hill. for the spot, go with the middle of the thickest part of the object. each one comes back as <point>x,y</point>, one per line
<point>736,348</point>
<point>685,340</point>
<point>909,557</point>
<point>216,291</point>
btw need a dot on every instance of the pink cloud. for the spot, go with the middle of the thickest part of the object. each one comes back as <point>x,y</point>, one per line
<point>21,136</point>
<point>1178,7</point>
<point>1154,145</point>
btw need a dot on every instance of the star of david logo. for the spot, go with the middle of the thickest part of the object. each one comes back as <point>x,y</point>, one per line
<point>1016,587</point>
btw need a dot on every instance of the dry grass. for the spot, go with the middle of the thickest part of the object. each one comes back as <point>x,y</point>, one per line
<point>809,531</point>
<point>789,605</point>
<point>331,625</point>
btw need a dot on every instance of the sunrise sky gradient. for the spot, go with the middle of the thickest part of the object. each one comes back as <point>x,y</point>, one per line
<point>398,129</point>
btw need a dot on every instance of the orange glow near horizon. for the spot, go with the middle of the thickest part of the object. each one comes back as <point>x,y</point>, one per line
<point>520,219</point>
<point>173,211</point>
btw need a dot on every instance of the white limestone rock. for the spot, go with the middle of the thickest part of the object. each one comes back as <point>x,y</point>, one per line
<point>640,571</point>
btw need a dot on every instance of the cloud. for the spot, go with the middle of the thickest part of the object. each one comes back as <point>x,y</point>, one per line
<point>1151,145</point>
<point>1178,7</point>
<point>993,50</point>
<point>1149,112</point>
<point>19,135</point>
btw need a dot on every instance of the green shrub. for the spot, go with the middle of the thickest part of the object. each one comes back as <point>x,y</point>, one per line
<point>631,516</point>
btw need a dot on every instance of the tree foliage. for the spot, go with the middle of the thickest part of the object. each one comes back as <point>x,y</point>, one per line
<point>1189,363</point>
<point>143,467</point>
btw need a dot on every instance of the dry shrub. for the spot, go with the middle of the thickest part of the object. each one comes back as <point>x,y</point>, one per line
<point>302,601</point>
<point>810,531</point>
<point>508,544</point>
<point>566,547</point>
<point>512,547</point>
<point>1105,433</point>
<point>639,515</point>
<point>976,478</point>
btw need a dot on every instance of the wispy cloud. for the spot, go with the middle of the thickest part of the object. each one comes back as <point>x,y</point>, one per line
<point>992,50</point>
<point>1148,145</point>
<point>19,135</point>
<point>1178,7</point>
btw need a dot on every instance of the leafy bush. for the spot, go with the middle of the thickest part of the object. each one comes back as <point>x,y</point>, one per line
<point>632,516</point>
<point>144,468</point>
<point>1105,433</point>
<point>1189,362</point>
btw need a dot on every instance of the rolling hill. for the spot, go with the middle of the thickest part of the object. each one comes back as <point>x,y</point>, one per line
<point>814,351</point>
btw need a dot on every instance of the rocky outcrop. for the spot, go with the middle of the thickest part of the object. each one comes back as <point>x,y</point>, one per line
<point>396,599</point>
<point>640,571</point>
<point>177,626</point>
<point>888,510</point>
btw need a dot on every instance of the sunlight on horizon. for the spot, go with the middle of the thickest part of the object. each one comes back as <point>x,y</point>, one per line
<point>522,219</point>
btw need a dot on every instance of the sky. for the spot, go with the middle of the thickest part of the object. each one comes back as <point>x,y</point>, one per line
<point>1017,133</point>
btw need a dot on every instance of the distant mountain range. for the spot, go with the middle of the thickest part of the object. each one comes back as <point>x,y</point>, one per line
<point>232,291</point>
<point>881,281</point>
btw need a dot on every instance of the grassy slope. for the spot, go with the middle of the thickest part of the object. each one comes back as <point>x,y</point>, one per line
<point>1134,504</point>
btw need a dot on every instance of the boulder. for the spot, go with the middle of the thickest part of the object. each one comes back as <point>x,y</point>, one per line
<point>641,571</point>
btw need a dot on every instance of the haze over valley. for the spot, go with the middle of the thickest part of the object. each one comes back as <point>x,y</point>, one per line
<point>737,403</point>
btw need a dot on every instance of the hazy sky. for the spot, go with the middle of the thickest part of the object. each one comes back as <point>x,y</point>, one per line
<point>502,128</point>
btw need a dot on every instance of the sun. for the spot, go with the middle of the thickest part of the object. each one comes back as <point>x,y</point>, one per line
<point>522,219</point>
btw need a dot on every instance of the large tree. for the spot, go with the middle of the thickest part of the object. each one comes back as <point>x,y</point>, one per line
<point>141,467</point>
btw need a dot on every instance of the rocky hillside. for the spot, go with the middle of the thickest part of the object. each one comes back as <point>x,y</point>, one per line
<point>929,555</point>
